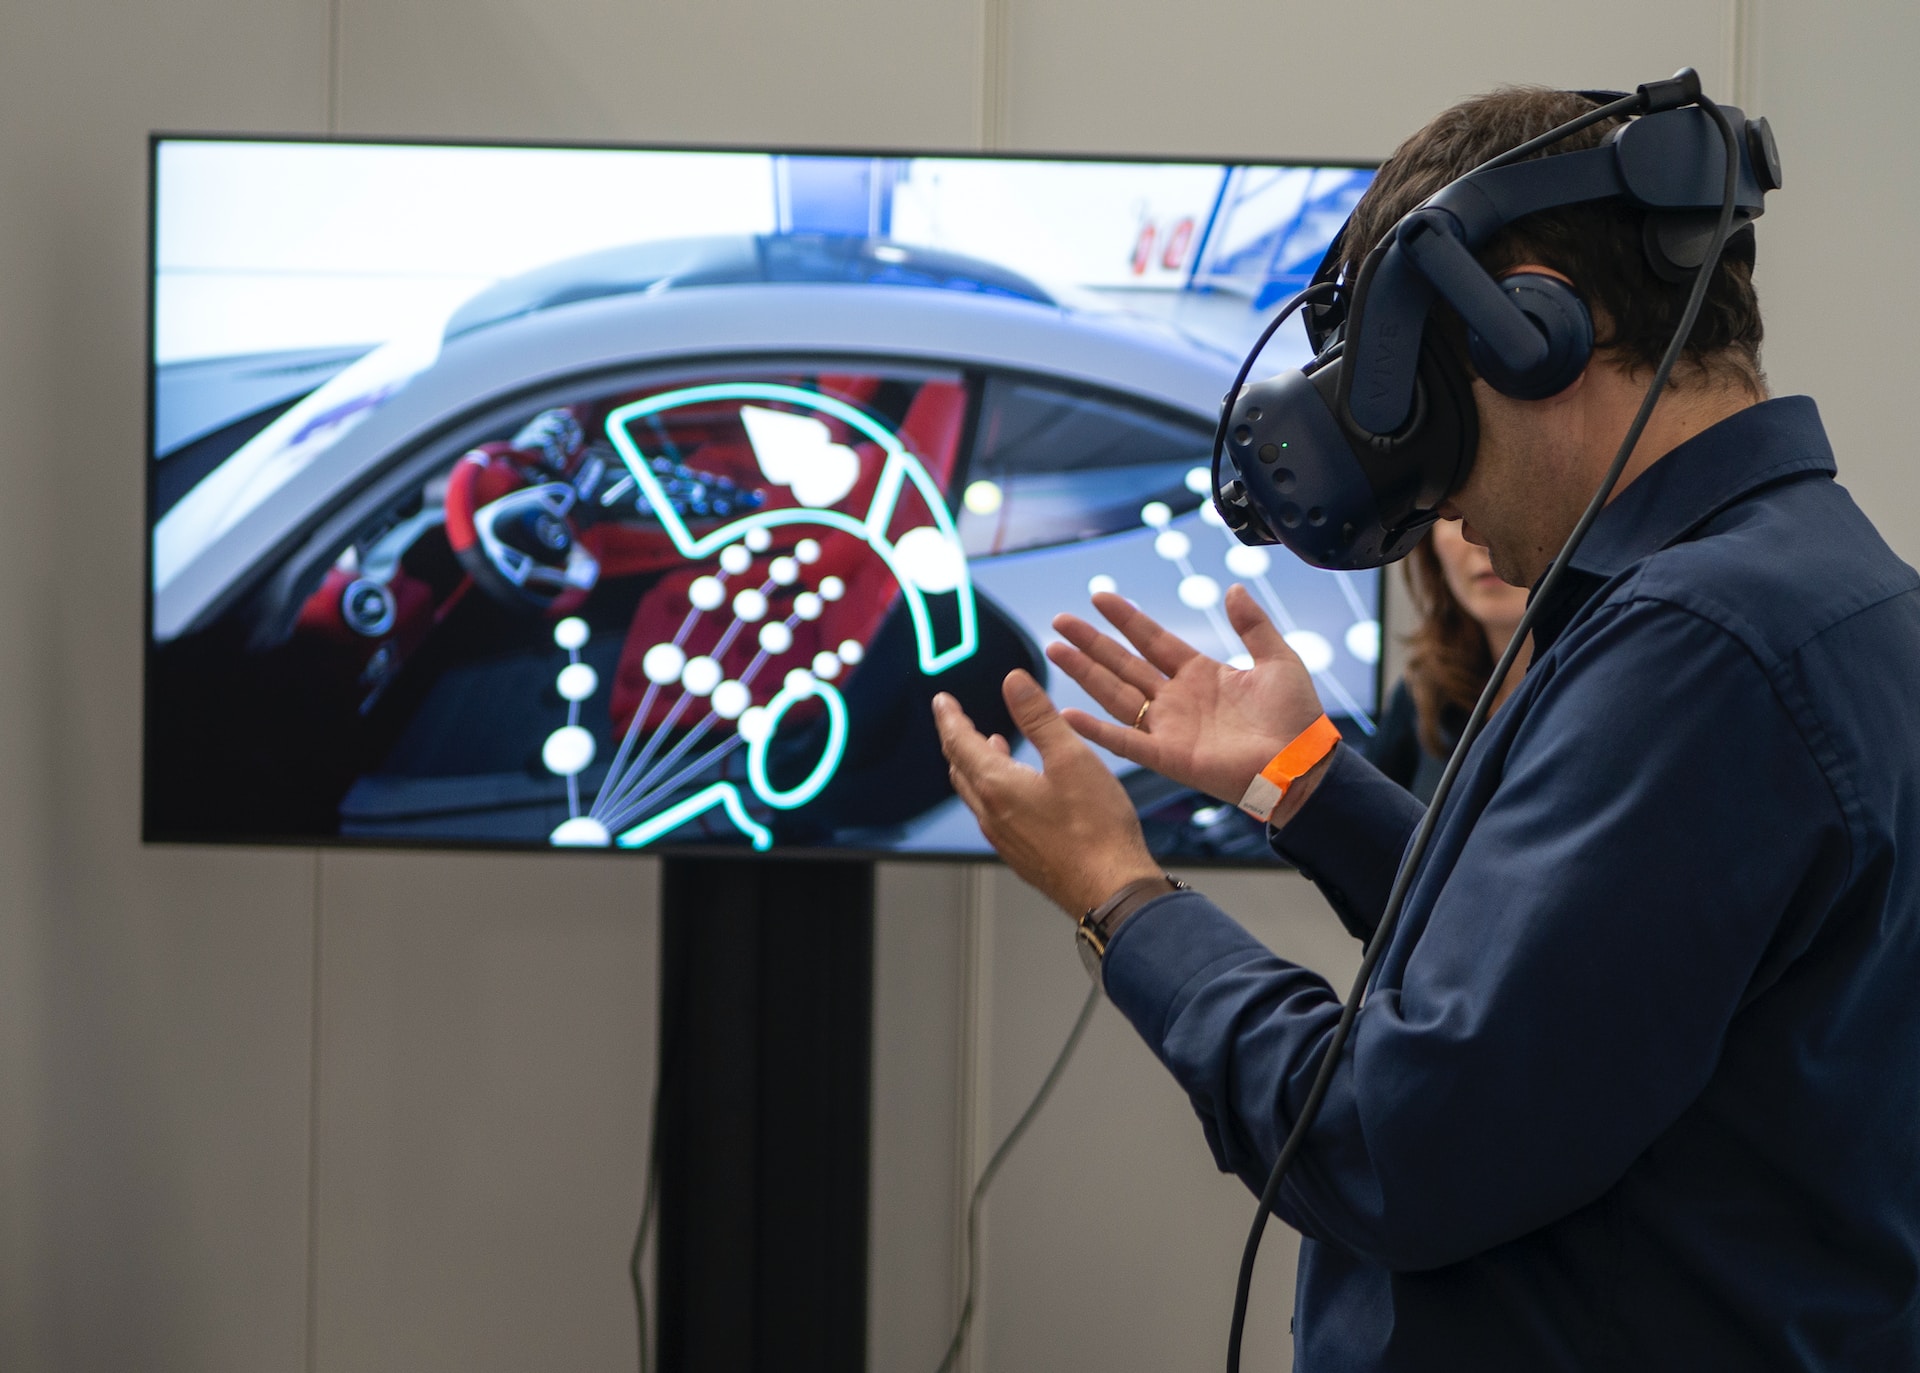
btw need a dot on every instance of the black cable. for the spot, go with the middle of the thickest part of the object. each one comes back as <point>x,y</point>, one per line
<point>1403,878</point>
<point>1626,104</point>
<point>959,1340</point>
<point>641,1231</point>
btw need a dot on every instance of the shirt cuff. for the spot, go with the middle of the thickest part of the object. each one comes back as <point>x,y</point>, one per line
<point>1164,952</point>
<point>1348,837</point>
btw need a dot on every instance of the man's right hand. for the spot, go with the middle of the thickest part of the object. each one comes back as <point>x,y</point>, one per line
<point>1209,726</point>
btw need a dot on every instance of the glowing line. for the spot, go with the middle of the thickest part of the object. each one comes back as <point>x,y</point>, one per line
<point>678,780</point>
<point>723,794</point>
<point>672,756</point>
<point>788,697</point>
<point>651,695</point>
<point>652,745</point>
<point>901,467</point>
<point>1360,611</point>
<point>1353,706</point>
<point>1287,623</point>
<point>633,796</point>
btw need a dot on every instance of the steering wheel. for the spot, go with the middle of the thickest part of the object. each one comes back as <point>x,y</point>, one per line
<point>520,545</point>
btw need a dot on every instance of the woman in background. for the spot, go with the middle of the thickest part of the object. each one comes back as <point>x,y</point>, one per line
<point>1467,618</point>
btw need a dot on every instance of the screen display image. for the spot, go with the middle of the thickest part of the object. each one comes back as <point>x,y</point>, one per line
<point>613,498</point>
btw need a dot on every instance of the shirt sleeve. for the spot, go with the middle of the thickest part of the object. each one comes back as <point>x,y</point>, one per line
<point>1565,974</point>
<point>1348,837</point>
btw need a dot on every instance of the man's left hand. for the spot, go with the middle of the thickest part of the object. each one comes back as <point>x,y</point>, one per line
<point>1068,830</point>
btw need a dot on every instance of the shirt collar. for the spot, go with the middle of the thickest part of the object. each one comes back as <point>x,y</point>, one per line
<point>1714,469</point>
<point>1718,467</point>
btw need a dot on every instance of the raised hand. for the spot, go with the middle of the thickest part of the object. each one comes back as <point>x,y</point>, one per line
<point>1200,722</point>
<point>1070,830</point>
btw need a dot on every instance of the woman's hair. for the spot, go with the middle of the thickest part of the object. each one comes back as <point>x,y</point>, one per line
<point>1448,661</point>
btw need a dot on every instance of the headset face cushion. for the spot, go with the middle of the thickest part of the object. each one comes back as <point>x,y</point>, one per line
<point>1557,311</point>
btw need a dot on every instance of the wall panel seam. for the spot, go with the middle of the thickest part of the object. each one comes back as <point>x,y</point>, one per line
<point>312,1332</point>
<point>992,129</point>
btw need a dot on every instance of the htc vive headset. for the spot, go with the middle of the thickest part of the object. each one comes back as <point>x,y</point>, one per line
<point>1346,460</point>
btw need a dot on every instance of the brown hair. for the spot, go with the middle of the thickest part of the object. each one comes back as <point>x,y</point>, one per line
<point>1597,244</point>
<point>1448,661</point>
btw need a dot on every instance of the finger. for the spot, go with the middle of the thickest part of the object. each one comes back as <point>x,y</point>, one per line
<point>1161,647</point>
<point>999,743</point>
<point>1130,744</point>
<point>1135,672</point>
<point>1115,697</point>
<point>966,748</point>
<point>1256,631</point>
<point>967,790</point>
<point>1037,718</point>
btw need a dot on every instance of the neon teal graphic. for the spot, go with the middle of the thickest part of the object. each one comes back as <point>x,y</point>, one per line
<point>901,468</point>
<point>797,688</point>
<point>722,794</point>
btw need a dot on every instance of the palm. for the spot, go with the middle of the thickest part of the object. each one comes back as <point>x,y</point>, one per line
<point>1210,726</point>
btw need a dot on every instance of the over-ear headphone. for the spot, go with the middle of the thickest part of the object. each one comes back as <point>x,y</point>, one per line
<point>1346,460</point>
<point>1556,310</point>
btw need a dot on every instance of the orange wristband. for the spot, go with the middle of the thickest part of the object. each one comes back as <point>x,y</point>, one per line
<point>1289,765</point>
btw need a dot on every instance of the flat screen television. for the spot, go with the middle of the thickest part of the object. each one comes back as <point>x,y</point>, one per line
<point>644,497</point>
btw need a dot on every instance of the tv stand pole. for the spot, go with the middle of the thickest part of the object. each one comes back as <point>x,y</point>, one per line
<point>765,1060</point>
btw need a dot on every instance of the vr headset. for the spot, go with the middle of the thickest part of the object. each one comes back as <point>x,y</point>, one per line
<point>1346,460</point>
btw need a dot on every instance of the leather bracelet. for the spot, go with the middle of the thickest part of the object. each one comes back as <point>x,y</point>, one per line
<point>1100,923</point>
<point>1289,765</point>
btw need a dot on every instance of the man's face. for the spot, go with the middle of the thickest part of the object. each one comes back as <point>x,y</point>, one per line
<point>1528,484</point>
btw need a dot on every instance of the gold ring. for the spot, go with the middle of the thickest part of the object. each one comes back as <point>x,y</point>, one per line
<point>1140,720</point>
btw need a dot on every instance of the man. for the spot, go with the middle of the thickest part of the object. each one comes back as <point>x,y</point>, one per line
<point>1635,1082</point>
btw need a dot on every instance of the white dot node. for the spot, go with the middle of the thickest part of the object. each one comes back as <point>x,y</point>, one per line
<point>1315,652</point>
<point>730,699</point>
<point>706,593</point>
<point>930,559</point>
<point>1172,545</point>
<point>1363,640</point>
<point>826,666</point>
<point>750,605</point>
<point>807,550</point>
<point>1101,582</point>
<point>700,676</point>
<point>775,637</point>
<point>807,605</point>
<point>663,663</point>
<point>1243,560</point>
<point>567,751</point>
<point>571,633</point>
<point>577,681</point>
<point>581,832</point>
<point>1210,514</point>
<point>799,682</point>
<point>753,725</point>
<point>758,540</point>
<point>1155,514</point>
<point>983,497</point>
<point>850,651</point>
<point>1199,592</point>
<point>832,588</point>
<point>1243,661</point>
<point>734,559</point>
<point>784,571</point>
<point>1200,481</point>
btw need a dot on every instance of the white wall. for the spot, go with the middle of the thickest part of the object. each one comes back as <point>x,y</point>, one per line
<point>273,1111</point>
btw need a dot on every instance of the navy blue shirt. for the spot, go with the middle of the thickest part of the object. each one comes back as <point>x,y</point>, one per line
<point>1637,1082</point>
